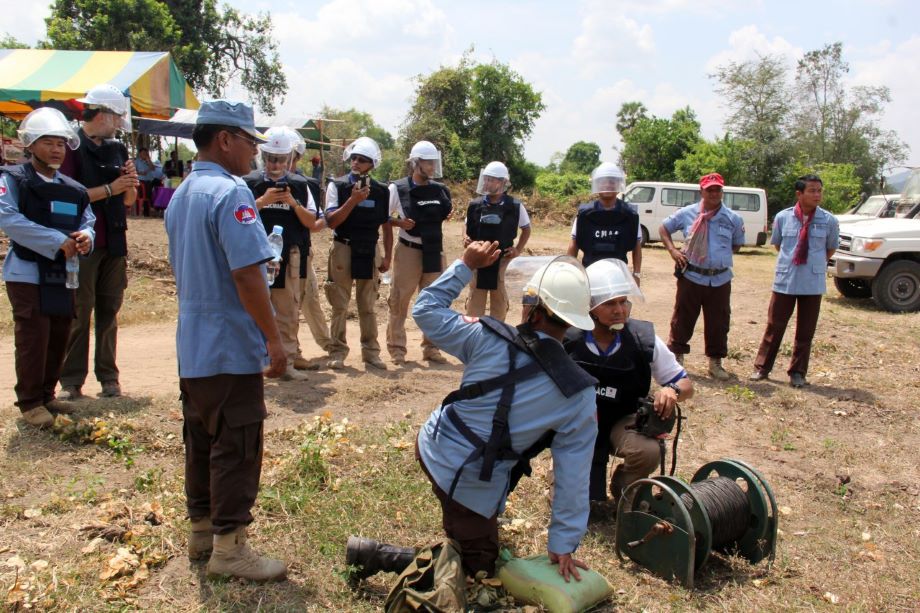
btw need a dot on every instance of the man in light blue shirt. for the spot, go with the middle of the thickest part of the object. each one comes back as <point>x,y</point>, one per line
<point>48,218</point>
<point>217,249</point>
<point>805,236</point>
<point>713,233</point>
<point>451,444</point>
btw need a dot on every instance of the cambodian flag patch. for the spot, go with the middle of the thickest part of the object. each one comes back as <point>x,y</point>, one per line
<point>2,190</point>
<point>245,214</point>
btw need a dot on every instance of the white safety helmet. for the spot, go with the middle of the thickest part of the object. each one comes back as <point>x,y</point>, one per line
<point>280,142</point>
<point>365,146</point>
<point>562,288</point>
<point>496,170</point>
<point>47,121</point>
<point>608,178</point>
<point>300,145</point>
<point>111,99</point>
<point>424,150</point>
<point>611,279</point>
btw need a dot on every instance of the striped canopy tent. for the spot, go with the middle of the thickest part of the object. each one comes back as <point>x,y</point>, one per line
<point>30,78</point>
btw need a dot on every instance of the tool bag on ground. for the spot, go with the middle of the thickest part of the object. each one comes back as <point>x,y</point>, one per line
<point>434,582</point>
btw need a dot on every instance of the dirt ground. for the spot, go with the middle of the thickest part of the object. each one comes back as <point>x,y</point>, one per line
<point>840,454</point>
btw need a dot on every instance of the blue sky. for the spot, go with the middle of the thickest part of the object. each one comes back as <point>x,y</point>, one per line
<point>587,57</point>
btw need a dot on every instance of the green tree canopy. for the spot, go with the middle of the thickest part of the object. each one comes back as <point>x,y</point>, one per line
<point>653,145</point>
<point>581,158</point>
<point>211,46</point>
<point>351,124</point>
<point>474,113</point>
<point>727,156</point>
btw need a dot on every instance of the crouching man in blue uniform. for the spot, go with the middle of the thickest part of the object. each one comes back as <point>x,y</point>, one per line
<point>518,387</point>
<point>625,355</point>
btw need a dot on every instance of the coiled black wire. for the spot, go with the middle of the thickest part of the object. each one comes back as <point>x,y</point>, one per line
<point>728,508</point>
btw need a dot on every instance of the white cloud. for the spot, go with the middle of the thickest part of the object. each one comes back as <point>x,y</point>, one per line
<point>748,43</point>
<point>25,21</point>
<point>609,39</point>
<point>898,69</point>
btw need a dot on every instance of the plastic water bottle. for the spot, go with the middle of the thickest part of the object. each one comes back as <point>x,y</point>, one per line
<point>386,278</point>
<point>276,242</point>
<point>73,272</point>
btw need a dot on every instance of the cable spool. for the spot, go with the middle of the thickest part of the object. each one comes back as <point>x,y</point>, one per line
<point>671,527</point>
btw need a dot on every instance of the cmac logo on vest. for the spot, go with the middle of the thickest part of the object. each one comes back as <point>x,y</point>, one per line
<point>278,205</point>
<point>606,391</point>
<point>427,202</point>
<point>605,233</point>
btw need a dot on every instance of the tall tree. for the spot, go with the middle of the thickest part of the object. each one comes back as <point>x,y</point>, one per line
<point>759,99</point>
<point>352,123</point>
<point>582,157</point>
<point>839,125</point>
<point>653,145</point>
<point>211,46</point>
<point>628,116</point>
<point>475,113</point>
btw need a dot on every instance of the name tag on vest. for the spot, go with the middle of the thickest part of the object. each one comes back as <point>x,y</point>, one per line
<point>606,392</point>
<point>367,204</point>
<point>63,208</point>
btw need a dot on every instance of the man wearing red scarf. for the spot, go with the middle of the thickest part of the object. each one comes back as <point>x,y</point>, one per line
<point>703,269</point>
<point>806,236</point>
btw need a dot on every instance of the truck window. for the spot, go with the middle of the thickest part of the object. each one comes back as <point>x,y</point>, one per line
<point>640,195</point>
<point>741,202</point>
<point>679,197</point>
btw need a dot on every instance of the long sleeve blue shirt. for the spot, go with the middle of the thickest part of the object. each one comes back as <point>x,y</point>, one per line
<point>40,239</point>
<point>538,407</point>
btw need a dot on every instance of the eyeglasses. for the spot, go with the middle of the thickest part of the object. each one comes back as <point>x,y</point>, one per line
<point>249,140</point>
<point>361,159</point>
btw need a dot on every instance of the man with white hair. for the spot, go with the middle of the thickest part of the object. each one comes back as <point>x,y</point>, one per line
<point>423,205</point>
<point>284,199</point>
<point>102,165</point>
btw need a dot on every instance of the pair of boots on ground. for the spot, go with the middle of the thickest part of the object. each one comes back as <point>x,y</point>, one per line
<point>230,554</point>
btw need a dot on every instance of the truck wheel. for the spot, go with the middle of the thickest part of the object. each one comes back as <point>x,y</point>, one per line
<point>853,288</point>
<point>644,236</point>
<point>896,288</point>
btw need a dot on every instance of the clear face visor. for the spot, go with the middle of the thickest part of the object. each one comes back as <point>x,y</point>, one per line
<point>430,168</point>
<point>607,185</point>
<point>276,164</point>
<point>114,121</point>
<point>491,186</point>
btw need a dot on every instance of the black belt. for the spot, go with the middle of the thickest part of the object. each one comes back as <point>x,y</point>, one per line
<point>706,272</point>
<point>339,239</point>
<point>403,241</point>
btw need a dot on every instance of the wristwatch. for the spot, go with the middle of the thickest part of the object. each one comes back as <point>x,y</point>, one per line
<point>637,275</point>
<point>674,387</point>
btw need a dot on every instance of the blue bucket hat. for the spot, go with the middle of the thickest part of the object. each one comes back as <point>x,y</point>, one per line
<point>229,113</point>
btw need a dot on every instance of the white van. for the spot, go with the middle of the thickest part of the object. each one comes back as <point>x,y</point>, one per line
<point>656,200</point>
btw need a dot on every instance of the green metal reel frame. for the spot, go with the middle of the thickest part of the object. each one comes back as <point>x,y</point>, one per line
<point>759,541</point>
<point>672,556</point>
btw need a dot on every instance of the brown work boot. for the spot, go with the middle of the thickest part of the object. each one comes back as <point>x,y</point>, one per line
<point>233,557</point>
<point>291,374</point>
<point>336,362</point>
<point>398,358</point>
<point>70,392</point>
<point>110,389</point>
<point>716,371</point>
<point>38,417</point>
<point>200,539</point>
<point>60,406</point>
<point>375,362</point>
<point>435,357</point>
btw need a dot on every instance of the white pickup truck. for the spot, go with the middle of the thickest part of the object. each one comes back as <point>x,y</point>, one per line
<point>881,257</point>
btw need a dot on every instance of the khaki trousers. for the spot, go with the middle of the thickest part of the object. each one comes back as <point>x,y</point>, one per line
<point>641,455</point>
<point>407,278</point>
<point>296,295</point>
<point>498,298</point>
<point>338,291</point>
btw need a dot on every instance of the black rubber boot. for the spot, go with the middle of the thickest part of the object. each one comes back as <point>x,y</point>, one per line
<point>371,557</point>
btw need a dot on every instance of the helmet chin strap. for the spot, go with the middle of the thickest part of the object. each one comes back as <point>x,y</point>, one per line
<point>617,327</point>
